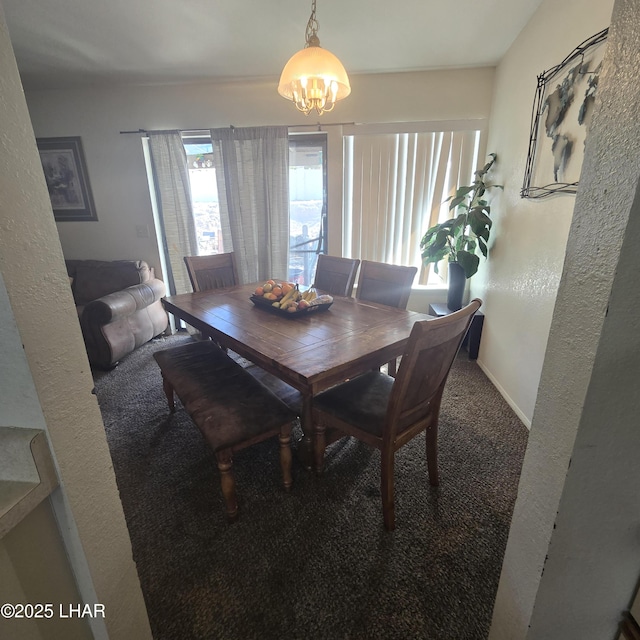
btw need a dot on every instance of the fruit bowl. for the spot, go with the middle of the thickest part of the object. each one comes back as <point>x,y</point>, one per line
<point>261,302</point>
<point>285,298</point>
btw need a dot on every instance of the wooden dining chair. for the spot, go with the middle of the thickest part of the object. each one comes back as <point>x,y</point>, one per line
<point>387,413</point>
<point>212,272</point>
<point>336,275</point>
<point>388,284</point>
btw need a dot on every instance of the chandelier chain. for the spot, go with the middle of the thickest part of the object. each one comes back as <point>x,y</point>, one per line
<point>311,32</point>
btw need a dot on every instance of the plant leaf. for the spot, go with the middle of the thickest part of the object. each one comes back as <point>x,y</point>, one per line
<point>469,262</point>
<point>463,191</point>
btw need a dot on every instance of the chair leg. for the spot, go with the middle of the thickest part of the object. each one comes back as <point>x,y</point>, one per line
<point>285,456</point>
<point>168,391</point>
<point>228,484</point>
<point>387,490</point>
<point>431,437</point>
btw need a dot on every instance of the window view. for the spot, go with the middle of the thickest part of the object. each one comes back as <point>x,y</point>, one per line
<point>307,209</point>
<point>204,196</point>
<point>307,205</point>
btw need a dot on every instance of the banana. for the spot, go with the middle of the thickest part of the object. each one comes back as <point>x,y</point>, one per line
<point>289,295</point>
<point>309,295</point>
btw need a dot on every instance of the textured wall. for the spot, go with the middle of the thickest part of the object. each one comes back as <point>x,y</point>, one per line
<point>593,560</point>
<point>577,513</point>
<point>32,268</point>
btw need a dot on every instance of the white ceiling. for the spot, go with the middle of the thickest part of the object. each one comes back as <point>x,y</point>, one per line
<point>62,43</point>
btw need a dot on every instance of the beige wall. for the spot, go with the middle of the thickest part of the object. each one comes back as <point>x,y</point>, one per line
<point>32,270</point>
<point>518,284</point>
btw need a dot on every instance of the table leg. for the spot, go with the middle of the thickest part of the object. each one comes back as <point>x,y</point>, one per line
<point>319,446</point>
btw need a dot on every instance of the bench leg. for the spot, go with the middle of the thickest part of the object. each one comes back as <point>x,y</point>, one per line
<point>168,391</point>
<point>228,484</point>
<point>285,456</point>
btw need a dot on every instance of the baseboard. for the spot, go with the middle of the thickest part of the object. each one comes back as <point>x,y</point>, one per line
<point>505,395</point>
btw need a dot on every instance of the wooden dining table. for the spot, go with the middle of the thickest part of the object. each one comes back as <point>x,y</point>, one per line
<point>310,351</point>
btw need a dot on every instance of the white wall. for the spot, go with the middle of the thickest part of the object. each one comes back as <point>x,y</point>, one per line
<point>42,334</point>
<point>518,283</point>
<point>573,555</point>
<point>115,162</point>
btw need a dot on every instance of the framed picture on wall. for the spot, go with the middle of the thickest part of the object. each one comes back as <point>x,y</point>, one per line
<point>65,172</point>
<point>562,110</point>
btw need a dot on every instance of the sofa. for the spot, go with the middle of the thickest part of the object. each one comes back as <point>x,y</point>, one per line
<point>119,307</point>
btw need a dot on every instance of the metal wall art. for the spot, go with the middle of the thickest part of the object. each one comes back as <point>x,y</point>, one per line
<point>561,116</point>
<point>67,180</point>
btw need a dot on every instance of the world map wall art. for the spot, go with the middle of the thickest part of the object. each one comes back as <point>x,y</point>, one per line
<point>562,110</point>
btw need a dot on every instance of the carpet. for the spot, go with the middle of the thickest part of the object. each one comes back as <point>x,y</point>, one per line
<point>315,563</point>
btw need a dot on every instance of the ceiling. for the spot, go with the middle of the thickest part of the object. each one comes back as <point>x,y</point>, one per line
<point>65,43</point>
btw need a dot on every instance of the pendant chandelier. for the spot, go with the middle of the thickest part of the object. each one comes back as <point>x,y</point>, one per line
<point>314,78</point>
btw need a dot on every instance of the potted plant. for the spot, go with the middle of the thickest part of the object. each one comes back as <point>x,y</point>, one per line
<point>458,238</point>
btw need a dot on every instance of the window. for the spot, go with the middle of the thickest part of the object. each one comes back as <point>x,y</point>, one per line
<point>395,182</point>
<point>204,194</point>
<point>307,204</point>
<point>307,200</point>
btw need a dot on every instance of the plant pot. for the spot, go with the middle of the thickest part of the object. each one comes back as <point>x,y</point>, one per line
<point>456,280</point>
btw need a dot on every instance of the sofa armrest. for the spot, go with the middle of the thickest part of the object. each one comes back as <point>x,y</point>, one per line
<point>123,303</point>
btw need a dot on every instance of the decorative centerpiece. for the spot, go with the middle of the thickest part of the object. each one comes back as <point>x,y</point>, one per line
<point>286,298</point>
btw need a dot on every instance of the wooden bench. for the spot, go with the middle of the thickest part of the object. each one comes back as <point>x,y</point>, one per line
<point>229,406</point>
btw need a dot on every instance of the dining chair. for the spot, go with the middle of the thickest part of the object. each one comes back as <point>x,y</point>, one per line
<point>212,272</point>
<point>388,284</point>
<point>336,275</point>
<point>387,413</point>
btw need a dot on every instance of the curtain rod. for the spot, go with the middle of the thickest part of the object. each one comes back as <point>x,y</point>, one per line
<point>291,126</point>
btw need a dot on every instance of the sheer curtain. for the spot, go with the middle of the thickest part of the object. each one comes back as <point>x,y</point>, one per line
<point>252,172</point>
<point>394,186</point>
<point>173,191</point>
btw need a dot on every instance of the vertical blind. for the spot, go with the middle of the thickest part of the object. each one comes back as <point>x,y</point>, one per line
<point>394,188</point>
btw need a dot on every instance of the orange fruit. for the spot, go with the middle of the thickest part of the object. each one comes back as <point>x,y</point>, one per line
<point>286,287</point>
<point>259,291</point>
<point>277,291</point>
<point>271,282</point>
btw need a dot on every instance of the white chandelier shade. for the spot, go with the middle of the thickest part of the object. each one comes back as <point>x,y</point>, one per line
<point>314,78</point>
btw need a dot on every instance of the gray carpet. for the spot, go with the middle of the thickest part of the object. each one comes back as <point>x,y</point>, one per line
<point>315,563</point>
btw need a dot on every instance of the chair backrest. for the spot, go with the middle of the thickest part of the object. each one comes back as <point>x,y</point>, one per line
<point>336,275</point>
<point>212,272</point>
<point>424,368</point>
<point>388,284</point>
